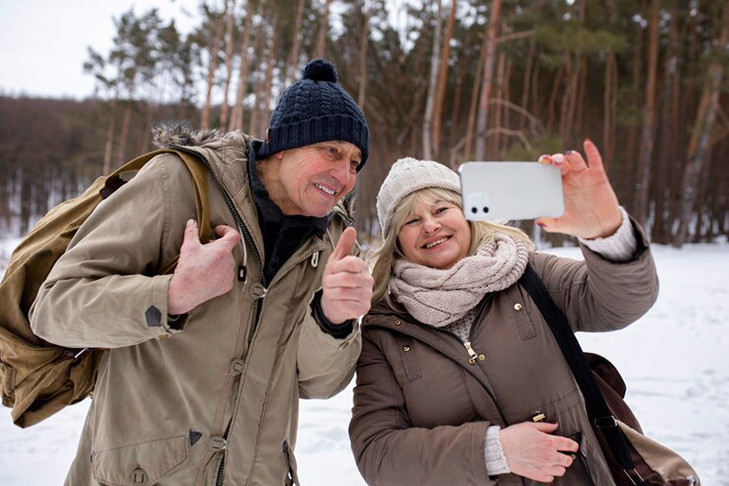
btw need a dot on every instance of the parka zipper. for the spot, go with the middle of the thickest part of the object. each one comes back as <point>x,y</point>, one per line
<point>435,346</point>
<point>248,239</point>
<point>471,352</point>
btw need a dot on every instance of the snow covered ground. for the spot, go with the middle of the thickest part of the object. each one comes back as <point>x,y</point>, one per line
<point>674,360</point>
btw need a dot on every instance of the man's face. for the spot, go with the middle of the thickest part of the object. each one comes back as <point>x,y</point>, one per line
<point>310,180</point>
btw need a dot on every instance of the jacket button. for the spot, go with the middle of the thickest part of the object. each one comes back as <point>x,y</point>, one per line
<point>138,476</point>
<point>406,348</point>
<point>397,322</point>
<point>518,307</point>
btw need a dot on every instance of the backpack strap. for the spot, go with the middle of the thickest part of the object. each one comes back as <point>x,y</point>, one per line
<point>597,408</point>
<point>199,173</point>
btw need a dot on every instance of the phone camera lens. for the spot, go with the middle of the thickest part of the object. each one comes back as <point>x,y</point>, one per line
<point>474,210</point>
<point>485,209</point>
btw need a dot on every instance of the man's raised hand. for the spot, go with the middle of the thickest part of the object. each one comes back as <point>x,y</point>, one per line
<point>346,283</point>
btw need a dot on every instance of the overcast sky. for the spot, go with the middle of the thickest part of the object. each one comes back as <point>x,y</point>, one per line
<point>43,42</point>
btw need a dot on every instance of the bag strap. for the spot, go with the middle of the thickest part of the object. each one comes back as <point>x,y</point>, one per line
<point>199,173</point>
<point>597,408</point>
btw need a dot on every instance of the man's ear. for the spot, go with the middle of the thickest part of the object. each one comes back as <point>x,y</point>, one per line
<point>279,155</point>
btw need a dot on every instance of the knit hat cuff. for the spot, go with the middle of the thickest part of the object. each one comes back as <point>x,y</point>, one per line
<point>320,129</point>
<point>409,175</point>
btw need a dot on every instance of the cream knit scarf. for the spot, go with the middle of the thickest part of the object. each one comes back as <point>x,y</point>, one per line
<point>440,297</point>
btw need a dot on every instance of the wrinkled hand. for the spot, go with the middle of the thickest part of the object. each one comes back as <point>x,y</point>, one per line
<point>346,283</point>
<point>203,271</point>
<point>590,204</point>
<point>531,451</point>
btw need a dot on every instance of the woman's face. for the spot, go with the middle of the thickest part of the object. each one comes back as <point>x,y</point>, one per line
<point>435,234</point>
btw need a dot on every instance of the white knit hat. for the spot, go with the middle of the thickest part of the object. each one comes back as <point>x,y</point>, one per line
<point>409,175</point>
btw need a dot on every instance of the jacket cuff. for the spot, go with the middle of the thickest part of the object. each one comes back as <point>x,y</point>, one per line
<point>494,454</point>
<point>339,331</point>
<point>630,237</point>
<point>177,322</point>
<point>618,247</point>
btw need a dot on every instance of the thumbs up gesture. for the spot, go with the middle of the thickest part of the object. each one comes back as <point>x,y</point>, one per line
<point>203,271</point>
<point>346,283</point>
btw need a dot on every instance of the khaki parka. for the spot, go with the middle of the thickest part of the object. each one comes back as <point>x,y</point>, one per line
<point>421,408</point>
<point>215,402</point>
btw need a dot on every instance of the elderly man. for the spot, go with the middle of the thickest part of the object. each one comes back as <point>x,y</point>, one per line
<point>204,369</point>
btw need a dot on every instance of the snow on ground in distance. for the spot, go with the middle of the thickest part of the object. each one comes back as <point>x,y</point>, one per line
<point>674,360</point>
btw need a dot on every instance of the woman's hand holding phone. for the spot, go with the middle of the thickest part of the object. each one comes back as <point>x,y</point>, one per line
<point>591,206</point>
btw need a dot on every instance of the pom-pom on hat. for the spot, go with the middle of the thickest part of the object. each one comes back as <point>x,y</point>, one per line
<point>407,176</point>
<point>316,109</point>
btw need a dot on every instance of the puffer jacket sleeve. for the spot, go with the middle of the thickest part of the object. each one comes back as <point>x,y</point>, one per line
<point>388,451</point>
<point>325,363</point>
<point>599,295</point>
<point>103,292</point>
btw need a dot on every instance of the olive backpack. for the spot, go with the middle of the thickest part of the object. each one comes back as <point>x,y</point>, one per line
<point>37,378</point>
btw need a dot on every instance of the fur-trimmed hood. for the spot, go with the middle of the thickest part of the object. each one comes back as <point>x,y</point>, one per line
<point>169,134</point>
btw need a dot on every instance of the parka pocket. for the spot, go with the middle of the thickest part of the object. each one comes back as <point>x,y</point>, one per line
<point>581,466</point>
<point>140,464</point>
<point>409,358</point>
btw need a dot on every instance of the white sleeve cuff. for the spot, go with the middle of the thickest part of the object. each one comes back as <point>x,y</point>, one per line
<point>618,247</point>
<point>494,454</point>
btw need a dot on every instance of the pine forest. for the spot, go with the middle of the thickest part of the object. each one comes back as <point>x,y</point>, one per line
<point>452,81</point>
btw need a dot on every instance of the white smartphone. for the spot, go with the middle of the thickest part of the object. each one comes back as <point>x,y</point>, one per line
<point>503,191</point>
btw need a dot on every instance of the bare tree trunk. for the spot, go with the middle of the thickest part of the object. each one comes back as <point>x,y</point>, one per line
<point>627,180</point>
<point>256,111</point>
<point>363,58</point>
<point>527,79</point>
<point>143,136</point>
<point>569,99</point>
<point>111,128</point>
<point>488,70</point>
<point>213,66</point>
<point>474,98</point>
<point>236,119</point>
<point>269,76</point>
<point>610,102</point>
<point>551,105</point>
<point>580,100</point>
<point>323,28</point>
<point>494,148</point>
<point>699,147</point>
<point>443,77</point>
<point>610,96</point>
<point>294,57</point>
<point>646,140</point>
<point>661,226</point>
<point>456,108</point>
<point>126,123</point>
<point>433,79</point>
<point>228,64</point>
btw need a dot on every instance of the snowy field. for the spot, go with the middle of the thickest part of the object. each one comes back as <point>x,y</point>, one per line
<point>674,360</point>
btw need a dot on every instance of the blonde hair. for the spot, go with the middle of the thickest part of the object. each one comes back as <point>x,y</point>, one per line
<point>383,259</point>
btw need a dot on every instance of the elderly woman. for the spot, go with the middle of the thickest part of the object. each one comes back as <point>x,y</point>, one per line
<point>458,366</point>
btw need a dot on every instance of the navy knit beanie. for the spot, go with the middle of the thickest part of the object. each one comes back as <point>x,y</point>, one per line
<point>316,109</point>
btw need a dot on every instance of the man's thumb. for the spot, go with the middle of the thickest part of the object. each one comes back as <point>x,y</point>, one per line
<point>345,243</point>
<point>190,238</point>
